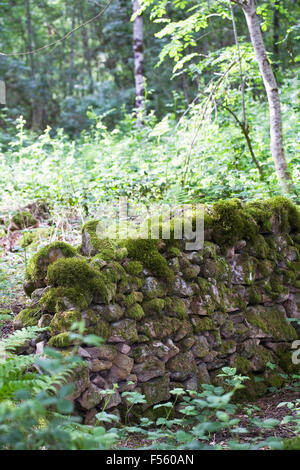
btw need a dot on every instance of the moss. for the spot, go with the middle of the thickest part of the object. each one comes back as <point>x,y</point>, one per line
<point>292,444</point>
<point>271,320</point>
<point>146,251</point>
<point>274,288</point>
<point>255,296</point>
<point>209,250</point>
<point>114,272</point>
<point>61,298</point>
<point>154,306</point>
<point>230,223</point>
<point>63,321</point>
<point>173,252</point>
<point>62,340</point>
<point>135,312</point>
<point>179,308</point>
<point>24,219</point>
<point>282,208</point>
<point>28,317</point>
<point>97,243</point>
<point>37,266</point>
<point>102,328</point>
<point>70,272</point>
<point>201,324</point>
<point>134,268</point>
<point>286,363</point>
<point>242,364</point>
<point>204,285</point>
<point>134,297</point>
<point>135,282</point>
<point>67,272</point>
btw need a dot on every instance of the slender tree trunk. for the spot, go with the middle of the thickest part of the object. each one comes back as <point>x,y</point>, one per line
<point>36,113</point>
<point>86,51</point>
<point>71,58</point>
<point>249,9</point>
<point>138,53</point>
<point>276,26</point>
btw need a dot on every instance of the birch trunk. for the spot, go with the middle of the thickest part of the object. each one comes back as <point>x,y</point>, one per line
<point>276,145</point>
<point>138,53</point>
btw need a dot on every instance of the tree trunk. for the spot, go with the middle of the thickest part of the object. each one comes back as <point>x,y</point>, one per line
<point>138,53</point>
<point>276,26</point>
<point>86,51</point>
<point>36,111</point>
<point>249,9</point>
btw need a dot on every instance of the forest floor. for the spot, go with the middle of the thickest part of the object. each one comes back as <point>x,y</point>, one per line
<point>13,261</point>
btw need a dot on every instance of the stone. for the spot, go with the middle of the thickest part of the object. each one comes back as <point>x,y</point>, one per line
<point>149,369</point>
<point>114,400</point>
<point>200,348</point>
<point>124,362</point>
<point>181,366</point>
<point>243,268</point>
<point>92,397</point>
<point>97,365</point>
<point>152,288</point>
<point>181,287</point>
<point>106,352</point>
<point>124,331</point>
<point>157,391</point>
<point>123,348</point>
<point>110,313</point>
<point>80,380</point>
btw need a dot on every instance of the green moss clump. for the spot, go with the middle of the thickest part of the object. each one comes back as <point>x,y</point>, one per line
<point>179,308</point>
<point>133,297</point>
<point>146,251</point>
<point>135,312</point>
<point>286,363</point>
<point>242,365</point>
<point>274,287</point>
<point>98,245</point>
<point>173,252</point>
<point>62,340</point>
<point>69,272</point>
<point>230,223</point>
<point>255,296</point>
<point>281,207</point>
<point>28,317</point>
<point>272,321</point>
<point>24,219</point>
<point>37,266</point>
<point>114,272</point>
<point>58,299</point>
<point>63,321</point>
<point>77,273</point>
<point>134,268</point>
<point>154,306</point>
<point>202,324</point>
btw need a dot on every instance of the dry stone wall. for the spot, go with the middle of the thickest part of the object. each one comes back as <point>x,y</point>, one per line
<point>171,317</point>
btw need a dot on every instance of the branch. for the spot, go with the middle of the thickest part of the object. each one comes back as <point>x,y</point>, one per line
<point>55,43</point>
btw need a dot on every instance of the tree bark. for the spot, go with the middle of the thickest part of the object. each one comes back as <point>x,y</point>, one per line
<point>138,54</point>
<point>276,145</point>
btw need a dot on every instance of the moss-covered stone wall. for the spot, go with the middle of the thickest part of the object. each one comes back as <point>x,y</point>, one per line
<point>171,317</point>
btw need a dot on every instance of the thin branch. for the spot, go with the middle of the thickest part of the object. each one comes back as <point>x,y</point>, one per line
<point>66,36</point>
<point>239,62</point>
<point>245,131</point>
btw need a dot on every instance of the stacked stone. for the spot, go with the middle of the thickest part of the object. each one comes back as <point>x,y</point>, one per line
<point>221,309</point>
